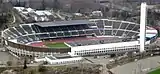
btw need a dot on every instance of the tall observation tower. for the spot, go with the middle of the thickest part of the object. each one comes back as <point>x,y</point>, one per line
<point>143,23</point>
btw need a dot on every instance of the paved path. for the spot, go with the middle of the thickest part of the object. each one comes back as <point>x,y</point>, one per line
<point>99,60</point>
<point>14,19</point>
<point>134,67</point>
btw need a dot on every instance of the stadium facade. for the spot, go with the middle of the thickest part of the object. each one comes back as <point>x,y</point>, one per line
<point>91,37</point>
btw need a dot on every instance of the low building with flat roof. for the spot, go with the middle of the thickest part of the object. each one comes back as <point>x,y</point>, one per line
<point>60,59</point>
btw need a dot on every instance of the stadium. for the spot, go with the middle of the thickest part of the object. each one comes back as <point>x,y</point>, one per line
<point>76,37</point>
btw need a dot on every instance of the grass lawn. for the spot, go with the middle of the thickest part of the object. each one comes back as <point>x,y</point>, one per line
<point>157,71</point>
<point>56,45</point>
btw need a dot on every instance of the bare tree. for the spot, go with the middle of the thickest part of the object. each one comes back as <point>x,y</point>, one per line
<point>43,5</point>
<point>83,6</point>
<point>56,5</point>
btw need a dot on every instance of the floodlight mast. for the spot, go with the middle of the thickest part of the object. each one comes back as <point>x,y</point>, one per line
<point>143,23</point>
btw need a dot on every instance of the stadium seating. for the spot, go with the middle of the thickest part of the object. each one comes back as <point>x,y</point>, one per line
<point>33,37</point>
<point>60,34</point>
<point>119,33</point>
<point>43,36</point>
<point>64,28</point>
<point>19,29</point>
<point>108,32</point>
<point>53,35</point>
<point>116,25</point>
<point>130,34</point>
<point>6,35</point>
<point>94,41</point>
<point>14,31</point>
<point>108,23</point>
<point>124,25</point>
<point>21,40</point>
<point>78,27</point>
<point>97,32</point>
<point>89,32</point>
<point>126,33</point>
<point>49,29</point>
<point>27,28</point>
<point>34,27</point>
<point>81,32</point>
<point>93,24</point>
<point>11,34</point>
<point>74,33</point>
<point>136,28</point>
<point>57,29</point>
<point>114,32</point>
<point>130,27</point>
<point>33,32</point>
<point>41,30</point>
<point>28,39</point>
<point>71,28</point>
<point>100,24</point>
<point>67,34</point>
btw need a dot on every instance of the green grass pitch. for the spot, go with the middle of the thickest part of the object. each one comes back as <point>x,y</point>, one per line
<point>157,71</point>
<point>56,45</point>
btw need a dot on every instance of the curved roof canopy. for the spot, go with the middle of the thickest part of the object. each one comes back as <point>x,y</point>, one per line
<point>63,23</point>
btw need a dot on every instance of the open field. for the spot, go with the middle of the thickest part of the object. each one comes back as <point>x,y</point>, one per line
<point>133,67</point>
<point>157,71</point>
<point>56,45</point>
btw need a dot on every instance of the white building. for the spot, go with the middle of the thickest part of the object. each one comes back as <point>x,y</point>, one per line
<point>60,59</point>
<point>38,15</point>
<point>105,48</point>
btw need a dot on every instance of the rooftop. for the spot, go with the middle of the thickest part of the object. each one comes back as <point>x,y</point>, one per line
<point>44,12</point>
<point>63,23</point>
<point>51,57</point>
<point>62,56</point>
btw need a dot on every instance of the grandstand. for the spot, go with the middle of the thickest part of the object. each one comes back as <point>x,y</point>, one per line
<point>37,31</point>
<point>78,35</point>
<point>95,41</point>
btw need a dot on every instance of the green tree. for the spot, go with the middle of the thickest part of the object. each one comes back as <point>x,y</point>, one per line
<point>33,71</point>
<point>124,15</point>
<point>9,63</point>
<point>42,68</point>
<point>56,5</point>
<point>25,63</point>
<point>43,5</point>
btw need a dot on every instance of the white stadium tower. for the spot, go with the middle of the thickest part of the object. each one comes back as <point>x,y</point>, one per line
<point>143,26</point>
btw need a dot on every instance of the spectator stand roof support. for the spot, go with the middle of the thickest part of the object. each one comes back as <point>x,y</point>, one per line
<point>63,23</point>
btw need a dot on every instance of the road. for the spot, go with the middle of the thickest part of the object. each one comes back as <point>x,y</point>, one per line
<point>14,19</point>
<point>135,67</point>
<point>100,60</point>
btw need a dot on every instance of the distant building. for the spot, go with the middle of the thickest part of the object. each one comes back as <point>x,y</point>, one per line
<point>97,13</point>
<point>5,1</point>
<point>67,5</point>
<point>31,15</point>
